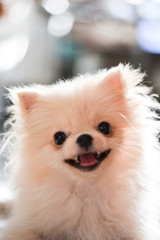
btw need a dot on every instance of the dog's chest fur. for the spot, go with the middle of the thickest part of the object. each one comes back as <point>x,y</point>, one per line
<point>80,212</point>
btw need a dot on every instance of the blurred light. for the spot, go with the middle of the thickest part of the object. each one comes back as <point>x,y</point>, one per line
<point>12,51</point>
<point>120,10</point>
<point>20,10</point>
<point>148,36</point>
<point>60,25</point>
<point>149,10</point>
<point>3,223</point>
<point>135,2</point>
<point>5,193</point>
<point>56,7</point>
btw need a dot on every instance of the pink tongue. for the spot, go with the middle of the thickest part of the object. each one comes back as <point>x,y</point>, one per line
<point>87,159</point>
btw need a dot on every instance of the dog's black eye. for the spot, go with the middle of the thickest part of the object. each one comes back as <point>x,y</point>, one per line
<point>59,138</point>
<point>105,128</point>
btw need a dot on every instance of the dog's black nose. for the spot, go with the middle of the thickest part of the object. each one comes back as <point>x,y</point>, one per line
<point>84,141</point>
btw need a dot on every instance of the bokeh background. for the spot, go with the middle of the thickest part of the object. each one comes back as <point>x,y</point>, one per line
<point>44,40</point>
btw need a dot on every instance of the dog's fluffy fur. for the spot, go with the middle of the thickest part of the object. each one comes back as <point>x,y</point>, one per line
<point>120,200</point>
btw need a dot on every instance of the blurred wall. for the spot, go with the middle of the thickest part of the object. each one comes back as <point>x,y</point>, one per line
<point>44,40</point>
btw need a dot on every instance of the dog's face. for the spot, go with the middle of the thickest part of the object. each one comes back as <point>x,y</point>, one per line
<point>78,130</point>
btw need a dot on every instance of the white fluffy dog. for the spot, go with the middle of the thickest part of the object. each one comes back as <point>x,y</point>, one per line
<point>85,159</point>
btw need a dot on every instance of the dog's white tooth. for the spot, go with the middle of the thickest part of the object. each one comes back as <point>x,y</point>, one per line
<point>76,158</point>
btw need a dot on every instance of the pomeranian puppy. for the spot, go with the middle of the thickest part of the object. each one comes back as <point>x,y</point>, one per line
<point>85,159</point>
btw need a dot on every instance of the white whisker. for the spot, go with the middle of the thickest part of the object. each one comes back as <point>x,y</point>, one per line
<point>129,123</point>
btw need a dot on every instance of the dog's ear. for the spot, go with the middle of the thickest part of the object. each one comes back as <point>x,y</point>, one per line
<point>27,100</point>
<point>113,80</point>
<point>123,78</point>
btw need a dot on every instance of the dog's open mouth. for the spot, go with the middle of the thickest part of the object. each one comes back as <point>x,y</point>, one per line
<point>88,161</point>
